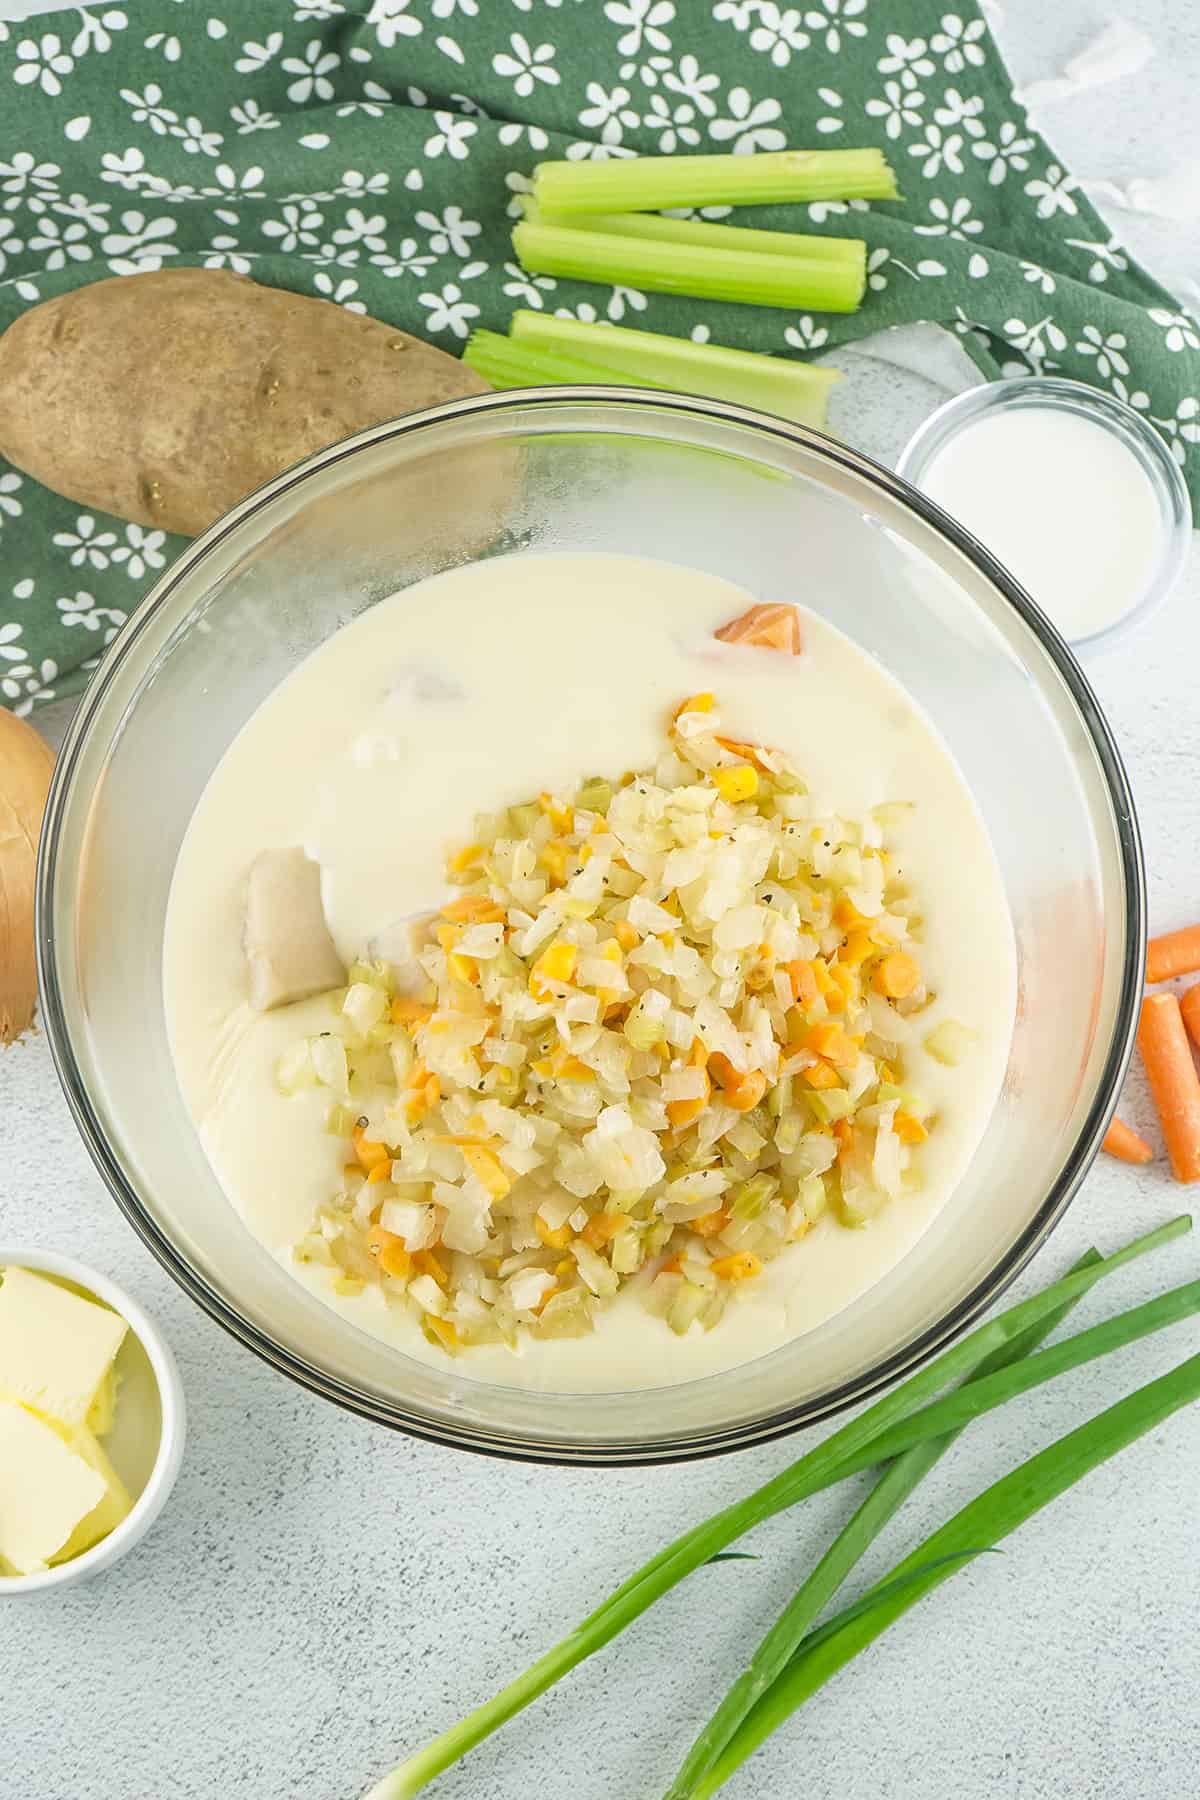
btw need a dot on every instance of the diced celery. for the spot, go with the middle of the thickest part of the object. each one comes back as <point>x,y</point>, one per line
<point>814,1198</point>
<point>830,1104</point>
<point>341,1120</point>
<point>525,816</point>
<point>779,1100</point>
<point>949,1042</point>
<point>686,1308</point>
<point>753,1197</point>
<point>594,795</point>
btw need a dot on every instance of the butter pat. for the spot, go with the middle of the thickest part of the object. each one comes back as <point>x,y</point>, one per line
<point>56,1348</point>
<point>107,1514</point>
<point>46,1490</point>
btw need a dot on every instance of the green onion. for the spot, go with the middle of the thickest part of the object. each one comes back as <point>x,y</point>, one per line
<point>997,1512</point>
<point>893,1488</point>
<point>817,1469</point>
<point>646,183</point>
<point>817,284</point>
<point>664,230</point>
<point>791,390</point>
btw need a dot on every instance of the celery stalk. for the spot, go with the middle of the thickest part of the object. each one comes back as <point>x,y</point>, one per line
<point>645,183</point>
<point>664,230</point>
<point>507,364</point>
<point>791,390</point>
<point>816,285</point>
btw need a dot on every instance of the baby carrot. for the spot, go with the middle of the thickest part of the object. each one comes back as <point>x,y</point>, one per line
<point>1189,1006</point>
<point>774,626</point>
<point>1175,953</point>
<point>1171,1072</point>
<point>1121,1141</point>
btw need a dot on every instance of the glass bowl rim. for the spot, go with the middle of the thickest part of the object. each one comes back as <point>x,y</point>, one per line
<point>665,1450</point>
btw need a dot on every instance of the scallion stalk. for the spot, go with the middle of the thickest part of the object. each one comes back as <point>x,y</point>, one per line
<point>646,183</point>
<point>791,390</point>
<point>797,282</point>
<point>710,236</point>
<point>818,1468</point>
<point>989,1518</point>
<point>894,1486</point>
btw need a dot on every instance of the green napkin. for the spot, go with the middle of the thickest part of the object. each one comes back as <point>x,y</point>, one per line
<point>374,157</point>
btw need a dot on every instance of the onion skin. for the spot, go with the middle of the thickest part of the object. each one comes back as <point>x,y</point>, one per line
<point>26,765</point>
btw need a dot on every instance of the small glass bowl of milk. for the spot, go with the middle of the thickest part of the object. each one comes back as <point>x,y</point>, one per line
<point>1072,490</point>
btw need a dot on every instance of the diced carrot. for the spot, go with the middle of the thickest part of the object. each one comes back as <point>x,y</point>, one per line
<point>554,1238</point>
<point>833,1041</point>
<point>735,784</point>
<point>548,1295</point>
<point>804,983</point>
<point>474,909</point>
<point>1174,1085</point>
<point>381,1172</point>
<point>847,915</point>
<point>751,753</point>
<point>553,856</point>
<point>859,945</point>
<point>485,1167</point>
<point>741,1089</point>
<point>682,1112</point>
<point>843,1132</point>
<point>698,1054</point>
<point>821,1075</point>
<point>710,1224</point>
<point>369,1151</point>
<point>1189,1006</point>
<point>773,626</point>
<point>464,859</point>
<point>896,975</point>
<point>671,1267</point>
<point>389,1251</point>
<point>1175,953</point>
<point>739,1267</point>
<point>404,1011</point>
<point>701,703</point>
<point>556,963</point>
<point>602,1228</point>
<point>845,983</point>
<point>427,1262</point>
<point>627,936</point>
<point>909,1129</point>
<point>745,1093</point>
<point>1121,1141</point>
<point>463,968</point>
<point>831,991</point>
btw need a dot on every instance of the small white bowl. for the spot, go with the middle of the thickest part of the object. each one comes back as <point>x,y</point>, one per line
<point>149,1374</point>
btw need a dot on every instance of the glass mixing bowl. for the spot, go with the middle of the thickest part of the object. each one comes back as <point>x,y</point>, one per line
<point>786,513</point>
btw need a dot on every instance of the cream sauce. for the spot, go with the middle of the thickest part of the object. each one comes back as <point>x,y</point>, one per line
<point>475,689</point>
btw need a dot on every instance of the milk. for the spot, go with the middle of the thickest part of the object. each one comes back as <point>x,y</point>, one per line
<point>483,686</point>
<point>1062,502</point>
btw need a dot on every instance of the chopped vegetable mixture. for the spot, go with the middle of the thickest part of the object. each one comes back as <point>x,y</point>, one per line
<point>656,1036</point>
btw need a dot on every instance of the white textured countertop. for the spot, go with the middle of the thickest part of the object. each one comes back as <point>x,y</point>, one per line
<point>320,1594</point>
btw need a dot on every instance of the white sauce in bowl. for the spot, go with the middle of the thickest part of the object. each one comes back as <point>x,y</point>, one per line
<point>481,687</point>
